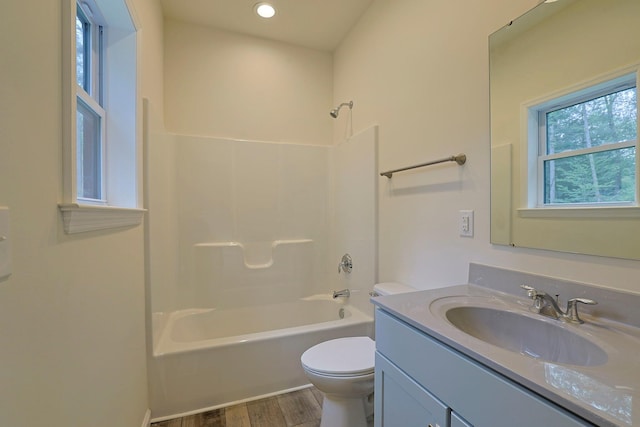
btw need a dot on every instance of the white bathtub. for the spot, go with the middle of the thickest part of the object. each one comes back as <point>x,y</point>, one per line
<point>207,358</point>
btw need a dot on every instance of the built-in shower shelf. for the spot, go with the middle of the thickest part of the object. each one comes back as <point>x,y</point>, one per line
<point>273,244</point>
<point>247,273</point>
<point>256,255</point>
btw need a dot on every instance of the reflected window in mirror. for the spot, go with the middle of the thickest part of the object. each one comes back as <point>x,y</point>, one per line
<point>572,184</point>
<point>586,146</point>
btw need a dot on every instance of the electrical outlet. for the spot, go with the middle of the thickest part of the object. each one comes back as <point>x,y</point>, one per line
<point>5,243</point>
<point>466,223</point>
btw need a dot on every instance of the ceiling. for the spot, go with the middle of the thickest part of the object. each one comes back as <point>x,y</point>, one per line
<point>317,24</point>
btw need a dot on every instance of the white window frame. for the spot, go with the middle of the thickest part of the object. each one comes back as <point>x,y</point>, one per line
<point>114,96</point>
<point>606,88</point>
<point>533,157</point>
<point>91,104</point>
<point>91,95</point>
<point>91,13</point>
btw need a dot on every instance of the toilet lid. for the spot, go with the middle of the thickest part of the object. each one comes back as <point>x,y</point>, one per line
<point>341,357</point>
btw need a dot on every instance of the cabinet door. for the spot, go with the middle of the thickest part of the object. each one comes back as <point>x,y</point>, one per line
<point>401,402</point>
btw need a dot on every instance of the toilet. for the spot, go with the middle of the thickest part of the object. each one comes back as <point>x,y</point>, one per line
<point>343,370</point>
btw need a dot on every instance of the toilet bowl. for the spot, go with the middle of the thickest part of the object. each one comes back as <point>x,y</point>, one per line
<point>343,370</point>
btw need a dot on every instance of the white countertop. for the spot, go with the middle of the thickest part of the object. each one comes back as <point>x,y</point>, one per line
<point>606,394</point>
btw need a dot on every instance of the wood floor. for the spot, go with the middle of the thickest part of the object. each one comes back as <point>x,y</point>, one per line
<point>301,408</point>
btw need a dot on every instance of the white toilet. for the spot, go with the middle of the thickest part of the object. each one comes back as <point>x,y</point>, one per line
<point>343,370</point>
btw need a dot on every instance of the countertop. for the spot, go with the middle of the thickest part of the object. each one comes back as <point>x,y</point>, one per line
<point>606,394</point>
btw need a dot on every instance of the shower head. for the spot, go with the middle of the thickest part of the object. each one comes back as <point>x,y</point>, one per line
<point>334,113</point>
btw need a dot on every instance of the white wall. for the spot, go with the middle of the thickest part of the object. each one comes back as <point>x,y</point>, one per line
<point>420,70</point>
<point>72,325</point>
<point>223,84</point>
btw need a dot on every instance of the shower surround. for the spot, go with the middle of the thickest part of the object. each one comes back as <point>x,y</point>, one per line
<point>253,230</point>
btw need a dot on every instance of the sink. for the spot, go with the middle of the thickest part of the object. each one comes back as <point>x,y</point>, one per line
<point>527,335</point>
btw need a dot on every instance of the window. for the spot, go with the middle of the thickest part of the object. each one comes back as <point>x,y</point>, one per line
<point>586,154</point>
<point>90,115</point>
<point>83,44</point>
<point>100,126</point>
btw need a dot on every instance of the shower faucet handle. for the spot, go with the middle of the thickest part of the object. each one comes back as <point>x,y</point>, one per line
<point>346,264</point>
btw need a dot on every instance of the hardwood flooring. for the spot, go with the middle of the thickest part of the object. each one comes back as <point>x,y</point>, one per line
<point>301,408</point>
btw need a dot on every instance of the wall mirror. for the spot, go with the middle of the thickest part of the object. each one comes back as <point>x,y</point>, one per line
<point>564,122</point>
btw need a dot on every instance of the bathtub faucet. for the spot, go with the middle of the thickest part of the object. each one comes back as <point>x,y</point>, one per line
<point>342,293</point>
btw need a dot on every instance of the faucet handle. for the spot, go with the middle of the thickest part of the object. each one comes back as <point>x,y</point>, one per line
<point>583,301</point>
<point>346,264</point>
<point>536,296</point>
<point>531,292</point>
<point>572,308</point>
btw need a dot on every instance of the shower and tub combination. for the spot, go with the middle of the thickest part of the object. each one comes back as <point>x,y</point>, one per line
<point>242,263</point>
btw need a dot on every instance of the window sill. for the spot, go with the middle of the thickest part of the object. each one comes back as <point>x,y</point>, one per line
<point>82,218</point>
<point>579,212</point>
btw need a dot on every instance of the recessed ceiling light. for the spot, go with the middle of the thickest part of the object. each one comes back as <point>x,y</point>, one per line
<point>265,10</point>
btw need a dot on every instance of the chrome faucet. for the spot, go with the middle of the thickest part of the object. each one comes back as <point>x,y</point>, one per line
<point>342,293</point>
<point>546,305</point>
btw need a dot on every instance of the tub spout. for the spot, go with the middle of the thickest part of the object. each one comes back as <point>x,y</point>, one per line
<point>342,293</point>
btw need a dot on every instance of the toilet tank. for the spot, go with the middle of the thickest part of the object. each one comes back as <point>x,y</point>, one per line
<point>390,288</point>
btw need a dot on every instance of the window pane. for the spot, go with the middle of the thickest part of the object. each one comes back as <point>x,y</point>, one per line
<point>89,153</point>
<point>604,120</point>
<point>82,59</point>
<point>607,176</point>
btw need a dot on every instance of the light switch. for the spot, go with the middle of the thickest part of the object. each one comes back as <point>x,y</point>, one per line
<point>5,243</point>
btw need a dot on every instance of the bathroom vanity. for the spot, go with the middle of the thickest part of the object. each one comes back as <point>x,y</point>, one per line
<point>513,367</point>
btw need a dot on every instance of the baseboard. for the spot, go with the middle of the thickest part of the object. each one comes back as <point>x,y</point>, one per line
<point>224,405</point>
<point>146,422</point>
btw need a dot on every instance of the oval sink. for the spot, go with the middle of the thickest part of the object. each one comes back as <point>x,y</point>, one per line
<point>526,335</point>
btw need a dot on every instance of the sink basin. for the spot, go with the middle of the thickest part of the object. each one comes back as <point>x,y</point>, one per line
<point>526,335</point>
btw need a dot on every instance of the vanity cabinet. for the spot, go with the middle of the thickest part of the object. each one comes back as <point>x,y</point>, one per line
<point>422,382</point>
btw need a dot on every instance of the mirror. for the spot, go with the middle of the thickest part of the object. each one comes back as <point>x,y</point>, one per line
<point>559,50</point>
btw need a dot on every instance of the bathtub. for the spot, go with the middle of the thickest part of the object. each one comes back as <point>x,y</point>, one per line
<point>209,358</point>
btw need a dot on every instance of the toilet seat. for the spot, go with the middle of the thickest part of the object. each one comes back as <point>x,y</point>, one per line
<point>342,357</point>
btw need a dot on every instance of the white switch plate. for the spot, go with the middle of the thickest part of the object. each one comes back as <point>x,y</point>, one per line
<point>466,223</point>
<point>5,243</point>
